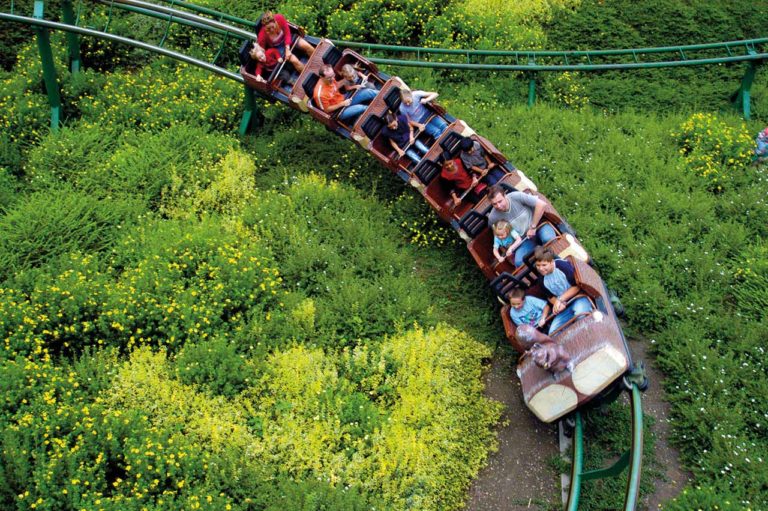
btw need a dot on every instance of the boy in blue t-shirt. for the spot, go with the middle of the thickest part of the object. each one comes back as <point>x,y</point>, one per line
<point>505,240</point>
<point>527,310</point>
<point>560,285</point>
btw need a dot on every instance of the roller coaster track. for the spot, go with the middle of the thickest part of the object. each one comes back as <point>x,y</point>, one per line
<point>201,18</point>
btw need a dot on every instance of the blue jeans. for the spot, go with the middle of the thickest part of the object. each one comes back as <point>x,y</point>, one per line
<point>417,151</point>
<point>762,149</point>
<point>492,177</point>
<point>359,103</point>
<point>544,234</point>
<point>578,306</point>
<point>435,127</point>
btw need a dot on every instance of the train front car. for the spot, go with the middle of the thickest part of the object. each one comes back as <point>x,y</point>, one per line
<point>593,340</point>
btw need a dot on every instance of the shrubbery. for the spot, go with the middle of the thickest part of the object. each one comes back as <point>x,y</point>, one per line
<point>713,149</point>
<point>45,225</point>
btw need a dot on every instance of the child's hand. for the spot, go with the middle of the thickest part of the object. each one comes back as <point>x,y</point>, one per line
<point>499,259</point>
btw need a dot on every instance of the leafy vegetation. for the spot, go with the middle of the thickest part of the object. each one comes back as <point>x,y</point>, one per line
<point>192,321</point>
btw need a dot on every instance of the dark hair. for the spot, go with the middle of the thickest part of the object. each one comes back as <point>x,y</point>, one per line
<point>495,190</point>
<point>390,118</point>
<point>517,292</point>
<point>543,254</point>
<point>466,144</point>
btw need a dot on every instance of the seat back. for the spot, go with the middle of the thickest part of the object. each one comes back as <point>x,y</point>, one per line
<point>309,85</point>
<point>393,99</point>
<point>450,144</point>
<point>372,126</point>
<point>473,223</point>
<point>427,170</point>
<point>503,284</point>
<point>331,56</point>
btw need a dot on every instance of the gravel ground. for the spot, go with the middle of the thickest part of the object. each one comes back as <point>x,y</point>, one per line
<point>519,477</point>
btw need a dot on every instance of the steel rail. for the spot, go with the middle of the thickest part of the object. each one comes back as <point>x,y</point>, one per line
<point>131,42</point>
<point>569,67</point>
<point>633,53</point>
<point>175,12</point>
<point>631,458</point>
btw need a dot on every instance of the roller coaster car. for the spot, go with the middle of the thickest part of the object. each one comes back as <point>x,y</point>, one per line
<point>481,249</point>
<point>274,82</point>
<point>427,172</point>
<point>301,94</point>
<point>594,341</point>
<point>373,121</point>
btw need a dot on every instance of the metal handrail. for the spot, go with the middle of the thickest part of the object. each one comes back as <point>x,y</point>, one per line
<point>727,46</point>
<point>246,34</point>
<point>131,42</point>
<point>632,458</point>
<point>569,67</point>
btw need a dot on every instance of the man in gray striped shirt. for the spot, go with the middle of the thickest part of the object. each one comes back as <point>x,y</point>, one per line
<point>523,212</point>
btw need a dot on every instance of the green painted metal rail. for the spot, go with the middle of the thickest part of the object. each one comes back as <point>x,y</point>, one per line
<point>55,25</point>
<point>631,458</point>
<point>752,51</point>
<point>570,60</point>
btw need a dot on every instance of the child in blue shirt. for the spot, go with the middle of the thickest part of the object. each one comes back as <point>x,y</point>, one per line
<point>527,310</point>
<point>505,240</point>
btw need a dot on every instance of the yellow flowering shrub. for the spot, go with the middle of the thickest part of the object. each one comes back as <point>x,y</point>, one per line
<point>233,185</point>
<point>418,429</point>
<point>152,98</point>
<point>566,89</point>
<point>713,148</point>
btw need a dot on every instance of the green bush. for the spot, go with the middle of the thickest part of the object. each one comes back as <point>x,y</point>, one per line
<point>750,288</point>
<point>332,247</point>
<point>595,24</point>
<point>216,365</point>
<point>9,188</point>
<point>70,155</point>
<point>45,225</point>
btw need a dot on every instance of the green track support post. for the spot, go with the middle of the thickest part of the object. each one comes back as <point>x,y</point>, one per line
<point>742,97</point>
<point>531,89</point>
<point>248,112</point>
<point>49,69</point>
<point>73,43</point>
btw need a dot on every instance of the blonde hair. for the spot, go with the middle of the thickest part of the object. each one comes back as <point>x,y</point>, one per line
<point>502,227</point>
<point>267,18</point>
<point>347,69</point>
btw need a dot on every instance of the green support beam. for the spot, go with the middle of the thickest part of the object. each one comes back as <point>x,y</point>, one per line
<point>248,112</point>
<point>73,42</point>
<point>743,96</point>
<point>49,69</point>
<point>531,90</point>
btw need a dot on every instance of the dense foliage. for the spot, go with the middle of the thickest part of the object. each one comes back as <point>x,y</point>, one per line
<point>192,321</point>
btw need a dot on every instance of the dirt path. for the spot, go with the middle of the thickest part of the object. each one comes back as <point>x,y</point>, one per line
<point>656,405</point>
<point>519,476</point>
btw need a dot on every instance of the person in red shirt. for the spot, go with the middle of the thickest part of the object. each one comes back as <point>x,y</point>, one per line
<point>275,33</point>
<point>266,61</point>
<point>463,185</point>
<point>329,99</point>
